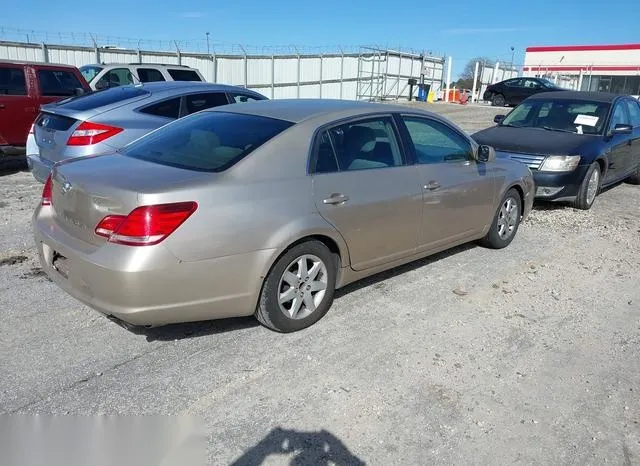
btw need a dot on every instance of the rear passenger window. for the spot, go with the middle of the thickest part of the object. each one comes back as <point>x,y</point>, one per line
<point>360,145</point>
<point>184,75</point>
<point>149,75</point>
<point>12,81</point>
<point>58,83</point>
<point>167,108</point>
<point>197,102</point>
<point>435,142</point>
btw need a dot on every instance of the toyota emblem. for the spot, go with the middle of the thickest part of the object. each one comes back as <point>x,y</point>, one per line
<point>66,187</point>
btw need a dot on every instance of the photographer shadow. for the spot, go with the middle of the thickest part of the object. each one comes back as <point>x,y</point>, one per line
<point>303,448</point>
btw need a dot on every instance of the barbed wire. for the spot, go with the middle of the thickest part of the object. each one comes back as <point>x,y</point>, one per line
<point>194,45</point>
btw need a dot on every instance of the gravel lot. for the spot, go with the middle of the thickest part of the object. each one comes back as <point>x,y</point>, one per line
<point>530,354</point>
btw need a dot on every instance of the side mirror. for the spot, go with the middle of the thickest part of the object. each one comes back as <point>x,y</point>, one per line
<point>498,118</point>
<point>486,154</point>
<point>622,129</point>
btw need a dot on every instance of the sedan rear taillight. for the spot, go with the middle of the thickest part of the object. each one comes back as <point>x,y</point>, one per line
<point>46,192</point>
<point>146,225</point>
<point>92,133</point>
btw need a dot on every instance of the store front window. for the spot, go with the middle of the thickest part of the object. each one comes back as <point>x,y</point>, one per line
<point>618,84</point>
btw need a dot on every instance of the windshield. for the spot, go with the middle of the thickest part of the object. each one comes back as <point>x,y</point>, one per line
<point>206,141</point>
<point>575,116</point>
<point>90,72</point>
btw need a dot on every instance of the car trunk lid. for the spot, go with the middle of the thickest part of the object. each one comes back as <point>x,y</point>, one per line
<point>87,190</point>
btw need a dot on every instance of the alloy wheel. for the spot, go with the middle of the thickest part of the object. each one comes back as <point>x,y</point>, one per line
<point>302,286</point>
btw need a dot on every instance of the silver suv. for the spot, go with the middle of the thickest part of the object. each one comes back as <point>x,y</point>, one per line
<point>120,74</point>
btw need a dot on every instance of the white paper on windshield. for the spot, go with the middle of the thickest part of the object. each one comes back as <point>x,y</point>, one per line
<point>579,129</point>
<point>587,120</point>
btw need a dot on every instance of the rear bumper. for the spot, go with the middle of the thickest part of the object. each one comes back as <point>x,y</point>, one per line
<point>552,186</point>
<point>40,168</point>
<point>148,285</point>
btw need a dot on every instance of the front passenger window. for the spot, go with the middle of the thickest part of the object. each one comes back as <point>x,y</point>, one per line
<point>619,116</point>
<point>435,142</point>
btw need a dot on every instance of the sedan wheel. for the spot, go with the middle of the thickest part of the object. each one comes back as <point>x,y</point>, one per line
<point>299,289</point>
<point>302,286</point>
<point>498,100</point>
<point>506,221</point>
<point>588,188</point>
<point>508,218</point>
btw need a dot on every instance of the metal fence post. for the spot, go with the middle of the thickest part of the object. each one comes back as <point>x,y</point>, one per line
<point>298,79</point>
<point>399,72</point>
<point>45,53</point>
<point>341,71</point>
<point>273,76</point>
<point>96,49</point>
<point>178,53</point>
<point>245,71</point>
<point>214,59</point>
<point>321,60</point>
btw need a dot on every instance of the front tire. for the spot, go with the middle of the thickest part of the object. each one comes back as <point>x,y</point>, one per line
<point>589,188</point>
<point>505,223</point>
<point>299,289</point>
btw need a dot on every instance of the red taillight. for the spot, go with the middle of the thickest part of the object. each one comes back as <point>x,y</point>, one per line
<point>91,133</point>
<point>46,192</point>
<point>109,224</point>
<point>145,225</point>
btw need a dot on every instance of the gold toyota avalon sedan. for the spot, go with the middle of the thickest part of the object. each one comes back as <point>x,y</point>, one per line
<point>266,208</point>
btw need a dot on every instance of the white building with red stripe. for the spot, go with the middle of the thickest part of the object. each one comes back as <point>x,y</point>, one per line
<point>607,68</point>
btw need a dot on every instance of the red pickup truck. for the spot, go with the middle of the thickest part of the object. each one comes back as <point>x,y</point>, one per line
<point>24,87</point>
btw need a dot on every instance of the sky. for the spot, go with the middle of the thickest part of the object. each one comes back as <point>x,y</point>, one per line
<point>462,30</point>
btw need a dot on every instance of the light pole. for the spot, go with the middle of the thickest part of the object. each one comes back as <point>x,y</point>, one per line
<point>207,42</point>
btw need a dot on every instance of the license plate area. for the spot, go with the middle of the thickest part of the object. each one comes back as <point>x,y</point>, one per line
<point>60,264</point>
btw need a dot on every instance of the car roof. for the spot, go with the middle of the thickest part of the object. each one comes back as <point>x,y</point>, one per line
<point>146,65</point>
<point>182,86</point>
<point>298,110</point>
<point>35,63</point>
<point>607,97</point>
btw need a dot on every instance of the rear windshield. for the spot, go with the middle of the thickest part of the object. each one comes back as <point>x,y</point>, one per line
<point>206,141</point>
<point>104,97</point>
<point>184,75</point>
<point>58,83</point>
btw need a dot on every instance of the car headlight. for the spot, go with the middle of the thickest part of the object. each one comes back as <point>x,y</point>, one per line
<point>560,163</point>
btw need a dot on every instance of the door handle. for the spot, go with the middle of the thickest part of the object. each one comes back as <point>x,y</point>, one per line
<point>336,199</point>
<point>1,106</point>
<point>432,186</point>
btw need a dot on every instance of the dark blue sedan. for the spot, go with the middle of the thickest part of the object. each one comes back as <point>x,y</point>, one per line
<point>575,143</point>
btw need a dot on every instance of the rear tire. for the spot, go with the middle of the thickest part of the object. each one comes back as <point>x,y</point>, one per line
<point>299,288</point>
<point>589,188</point>
<point>498,100</point>
<point>635,178</point>
<point>505,223</point>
